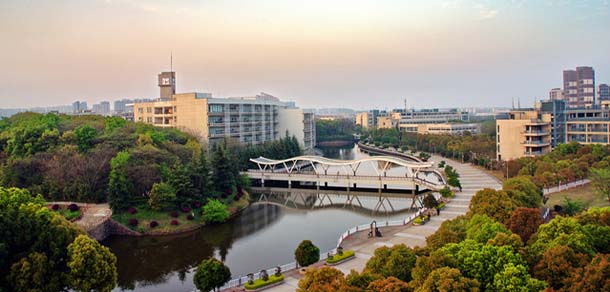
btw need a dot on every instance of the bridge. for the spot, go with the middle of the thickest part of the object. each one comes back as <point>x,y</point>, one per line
<point>380,174</point>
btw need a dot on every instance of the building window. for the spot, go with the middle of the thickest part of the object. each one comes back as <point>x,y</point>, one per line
<point>216,108</point>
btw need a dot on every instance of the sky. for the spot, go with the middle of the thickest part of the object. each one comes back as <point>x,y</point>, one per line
<point>319,53</point>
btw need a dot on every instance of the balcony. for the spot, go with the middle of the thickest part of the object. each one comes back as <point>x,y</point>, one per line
<point>536,143</point>
<point>536,133</point>
<point>533,153</point>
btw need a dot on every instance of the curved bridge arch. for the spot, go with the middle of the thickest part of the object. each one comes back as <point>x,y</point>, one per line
<point>320,166</point>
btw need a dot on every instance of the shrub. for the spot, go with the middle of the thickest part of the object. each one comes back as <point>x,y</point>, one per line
<point>133,222</point>
<point>132,210</point>
<point>55,207</point>
<point>215,212</point>
<point>446,192</point>
<point>154,224</point>
<point>185,209</point>
<point>162,196</point>
<point>174,214</point>
<point>73,207</point>
<point>307,253</point>
<point>197,205</point>
<point>339,257</point>
<point>259,283</point>
<point>189,217</point>
<point>174,222</point>
<point>418,221</point>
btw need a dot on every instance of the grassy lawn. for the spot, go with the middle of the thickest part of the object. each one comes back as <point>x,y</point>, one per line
<point>145,215</point>
<point>585,193</point>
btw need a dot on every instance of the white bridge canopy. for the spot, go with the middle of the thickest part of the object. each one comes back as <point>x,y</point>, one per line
<point>320,166</point>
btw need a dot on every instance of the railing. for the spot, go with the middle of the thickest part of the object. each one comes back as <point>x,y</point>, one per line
<point>563,187</point>
<point>323,255</point>
<point>313,174</point>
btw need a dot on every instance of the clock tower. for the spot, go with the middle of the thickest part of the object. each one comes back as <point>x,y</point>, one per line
<point>167,84</point>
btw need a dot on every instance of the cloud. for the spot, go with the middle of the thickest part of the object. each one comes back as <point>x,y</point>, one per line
<point>487,13</point>
<point>137,4</point>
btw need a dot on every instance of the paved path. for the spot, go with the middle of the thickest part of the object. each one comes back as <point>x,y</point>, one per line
<point>92,214</point>
<point>472,180</point>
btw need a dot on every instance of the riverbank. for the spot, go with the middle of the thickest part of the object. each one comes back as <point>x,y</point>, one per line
<point>335,143</point>
<point>169,223</point>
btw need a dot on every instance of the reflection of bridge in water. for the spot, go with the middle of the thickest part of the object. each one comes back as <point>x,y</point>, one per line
<point>357,201</point>
<point>387,177</point>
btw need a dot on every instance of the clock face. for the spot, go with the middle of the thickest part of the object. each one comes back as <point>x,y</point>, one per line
<point>164,81</point>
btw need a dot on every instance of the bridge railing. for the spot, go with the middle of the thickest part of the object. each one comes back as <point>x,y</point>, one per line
<point>385,177</point>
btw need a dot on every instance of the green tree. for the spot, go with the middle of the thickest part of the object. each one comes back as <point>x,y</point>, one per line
<point>162,197</point>
<point>224,176</point>
<point>515,278</point>
<point>600,179</point>
<point>200,174</point>
<point>495,204</point>
<point>430,201</point>
<point>361,280</point>
<point>180,180</point>
<point>447,279</point>
<point>450,231</point>
<point>34,273</point>
<point>112,123</point>
<point>215,212</point>
<point>481,228</point>
<point>560,231</point>
<point>92,265</point>
<point>572,207</point>
<point>306,253</point>
<point>523,192</point>
<point>119,184</point>
<point>211,275</point>
<point>397,261</point>
<point>84,137</point>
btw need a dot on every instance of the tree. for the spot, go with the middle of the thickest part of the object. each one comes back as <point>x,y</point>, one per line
<point>560,231</point>
<point>572,207</point>
<point>119,184</point>
<point>600,179</point>
<point>306,253</point>
<point>36,244</point>
<point>430,201</point>
<point>524,222</point>
<point>425,265</point>
<point>447,279</point>
<point>495,204</point>
<point>215,212</point>
<point>84,137</point>
<point>481,228</point>
<point>558,263</point>
<point>480,261</point>
<point>594,277</point>
<point>523,191</point>
<point>224,177</point>
<point>515,278</point>
<point>397,261</point>
<point>92,265</point>
<point>361,280</point>
<point>211,275</point>
<point>322,279</point>
<point>389,284</point>
<point>162,197</point>
<point>450,231</point>
<point>200,173</point>
<point>180,180</point>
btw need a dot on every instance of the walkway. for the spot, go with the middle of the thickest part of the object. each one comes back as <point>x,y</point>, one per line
<point>93,215</point>
<point>472,180</point>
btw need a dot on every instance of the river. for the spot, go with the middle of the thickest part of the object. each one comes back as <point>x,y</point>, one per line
<point>262,236</point>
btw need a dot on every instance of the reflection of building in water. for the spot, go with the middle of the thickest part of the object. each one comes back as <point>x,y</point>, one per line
<point>256,218</point>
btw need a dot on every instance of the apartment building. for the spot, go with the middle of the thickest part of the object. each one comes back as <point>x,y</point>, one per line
<point>579,87</point>
<point>525,132</point>
<point>433,116</point>
<point>603,93</point>
<point>441,129</point>
<point>589,125</point>
<point>556,94</point>
<point>247,120</point>
<point>368,119</point>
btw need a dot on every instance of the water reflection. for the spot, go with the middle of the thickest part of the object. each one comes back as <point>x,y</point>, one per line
<point>263,236</point>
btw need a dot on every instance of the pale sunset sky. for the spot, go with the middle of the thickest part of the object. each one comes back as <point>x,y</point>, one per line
<point>319,53</point>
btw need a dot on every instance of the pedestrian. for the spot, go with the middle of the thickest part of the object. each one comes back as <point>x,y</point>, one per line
<point>438,211</point>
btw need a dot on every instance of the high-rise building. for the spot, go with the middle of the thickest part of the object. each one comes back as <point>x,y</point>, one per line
<point>579,87</point>
<point>120,106</point>
<point>79,107</point>
<point>525,133</point>
<point>556,94</point>
<point>603,92</point>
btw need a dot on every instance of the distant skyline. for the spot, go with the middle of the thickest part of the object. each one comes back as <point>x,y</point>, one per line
<point>344,53</point>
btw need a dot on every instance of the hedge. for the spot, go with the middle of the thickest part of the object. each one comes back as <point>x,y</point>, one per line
<point>337,258</point>
<point>259,283</point>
